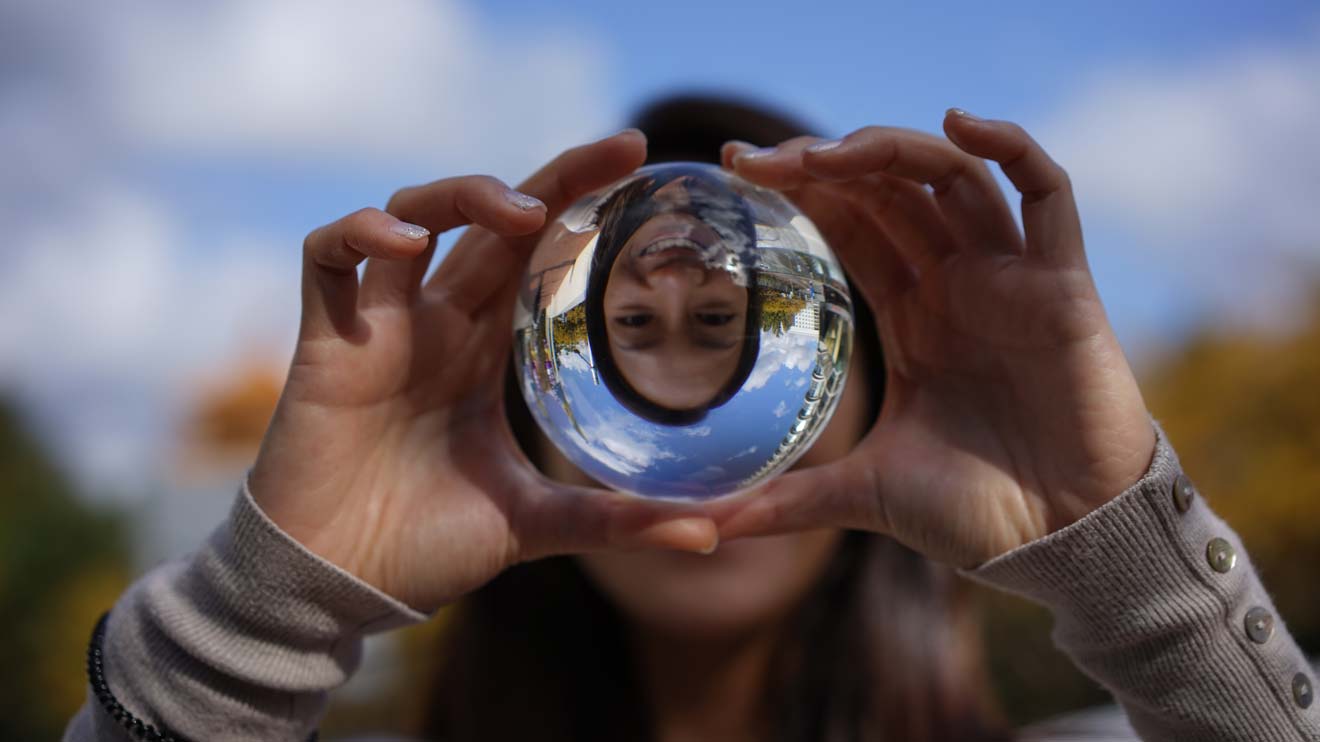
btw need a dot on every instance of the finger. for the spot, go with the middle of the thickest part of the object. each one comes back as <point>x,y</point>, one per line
<point>583,169</point>
<point>330,258</point>
<point>907,214</point>
<point>972,202</point>
<point>574,520</point>
<point>903,209</point>
<point>731,149</point>
<point>476,269</point>
<point>863,248</point>
<point>832,496</point>
<point>441,206</point>
<point>777,167</point>
<point>1049,211</point>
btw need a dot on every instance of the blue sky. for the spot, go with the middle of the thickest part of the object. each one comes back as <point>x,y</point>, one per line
<point>164,162</point>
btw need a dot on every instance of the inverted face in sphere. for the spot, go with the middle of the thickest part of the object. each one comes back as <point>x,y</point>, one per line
<point>682,333</point>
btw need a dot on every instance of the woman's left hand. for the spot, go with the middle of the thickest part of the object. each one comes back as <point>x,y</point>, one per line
<point>1009,409</point>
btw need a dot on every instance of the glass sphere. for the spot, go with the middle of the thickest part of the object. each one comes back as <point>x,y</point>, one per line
<point>682,333</point>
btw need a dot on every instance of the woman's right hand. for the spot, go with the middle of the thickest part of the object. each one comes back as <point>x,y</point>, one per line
<point>389,453</point>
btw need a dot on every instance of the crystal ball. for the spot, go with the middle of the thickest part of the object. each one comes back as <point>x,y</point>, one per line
<point>682,333</point>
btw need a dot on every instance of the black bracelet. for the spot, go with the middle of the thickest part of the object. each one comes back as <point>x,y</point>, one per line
<point>137,728</point>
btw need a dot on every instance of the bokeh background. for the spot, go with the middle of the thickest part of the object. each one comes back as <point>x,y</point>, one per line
<point>161,162</point>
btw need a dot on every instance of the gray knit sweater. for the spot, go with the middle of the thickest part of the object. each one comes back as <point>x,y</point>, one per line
<point>244,640</point>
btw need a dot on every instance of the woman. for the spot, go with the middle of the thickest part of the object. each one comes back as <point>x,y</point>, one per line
<point>674,333</point>
<point>1013,444</point>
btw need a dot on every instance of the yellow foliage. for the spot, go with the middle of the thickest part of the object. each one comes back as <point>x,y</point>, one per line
<point>1243,412</point>
<point>63,635</point>
<point>236,412</point>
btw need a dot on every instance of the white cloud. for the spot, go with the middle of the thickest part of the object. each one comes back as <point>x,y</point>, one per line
<point>787,351</point>
<point>781,409</point>
<point>1211,166</point>
<point>116,324</point>
<point>117,304</point>
<point>698,432</point>
<point>710,473</point>
<point>624,444</point>
<point>407,81</point>
<point>573,362</point>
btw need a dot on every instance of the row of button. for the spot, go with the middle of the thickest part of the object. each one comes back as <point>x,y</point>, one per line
<point>1259,624</point>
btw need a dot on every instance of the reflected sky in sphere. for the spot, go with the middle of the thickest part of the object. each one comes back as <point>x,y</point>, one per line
<point>683,333</point>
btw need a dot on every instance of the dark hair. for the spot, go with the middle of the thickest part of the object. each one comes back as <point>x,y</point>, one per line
<point>885,647</point>
<point>621,214</point>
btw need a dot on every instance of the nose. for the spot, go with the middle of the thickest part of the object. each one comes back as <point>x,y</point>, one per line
<point>677,276</point>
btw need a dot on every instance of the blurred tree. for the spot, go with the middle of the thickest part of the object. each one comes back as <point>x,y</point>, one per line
<point>571,327</point>
<point>233,415</point>
<point>778,311</point>
<point>62,563</point>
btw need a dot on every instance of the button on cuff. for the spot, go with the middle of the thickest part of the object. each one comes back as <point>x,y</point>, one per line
<point>1259,625</point>
<point>1183,493</point>
<point>1221,555</point>
<point>1302,691</point>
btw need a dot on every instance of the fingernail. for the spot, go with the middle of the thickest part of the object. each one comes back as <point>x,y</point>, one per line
<point>411,231</point>
<point>522,200</point>
<point>697,535</point>
<point>756,154</point>
<point>621,132</point>
<point>960,113</point>
<point>824,146</point>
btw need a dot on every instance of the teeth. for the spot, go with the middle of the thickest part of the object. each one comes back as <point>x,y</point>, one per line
<point>667,243</point>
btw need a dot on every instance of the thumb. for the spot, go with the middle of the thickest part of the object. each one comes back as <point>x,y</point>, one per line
<point>836,495</point>
<point>574,520</point>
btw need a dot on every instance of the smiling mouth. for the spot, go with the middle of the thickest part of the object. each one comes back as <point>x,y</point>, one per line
<point>671,246</point>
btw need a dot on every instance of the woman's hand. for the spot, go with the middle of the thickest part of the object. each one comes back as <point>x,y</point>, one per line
<point>1009,408</point>
<point>389,454</point>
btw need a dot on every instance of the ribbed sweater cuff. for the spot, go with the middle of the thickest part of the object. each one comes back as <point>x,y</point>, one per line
<point>1139,608</point>
<point>247,636</point>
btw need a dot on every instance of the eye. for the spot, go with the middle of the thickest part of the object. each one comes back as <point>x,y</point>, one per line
<point>714,319</point>
<point>634,320</point>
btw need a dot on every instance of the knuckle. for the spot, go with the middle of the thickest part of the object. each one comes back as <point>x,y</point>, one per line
<point>313,239</point>
<point>399,197</point>
<point>869,133</point>
<point>1063,178</point>
<point>483,182</point>
<point>359,221</point>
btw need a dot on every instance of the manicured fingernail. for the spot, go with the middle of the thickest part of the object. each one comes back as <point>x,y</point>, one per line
<point>960,113</point>
<point>411,231</point>
<point>824,146</point>
<point>756,154</point>
<point>523,201</point>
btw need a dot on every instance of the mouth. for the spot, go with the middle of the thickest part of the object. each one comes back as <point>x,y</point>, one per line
<point>670,246</point>
<point>670,250</point>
